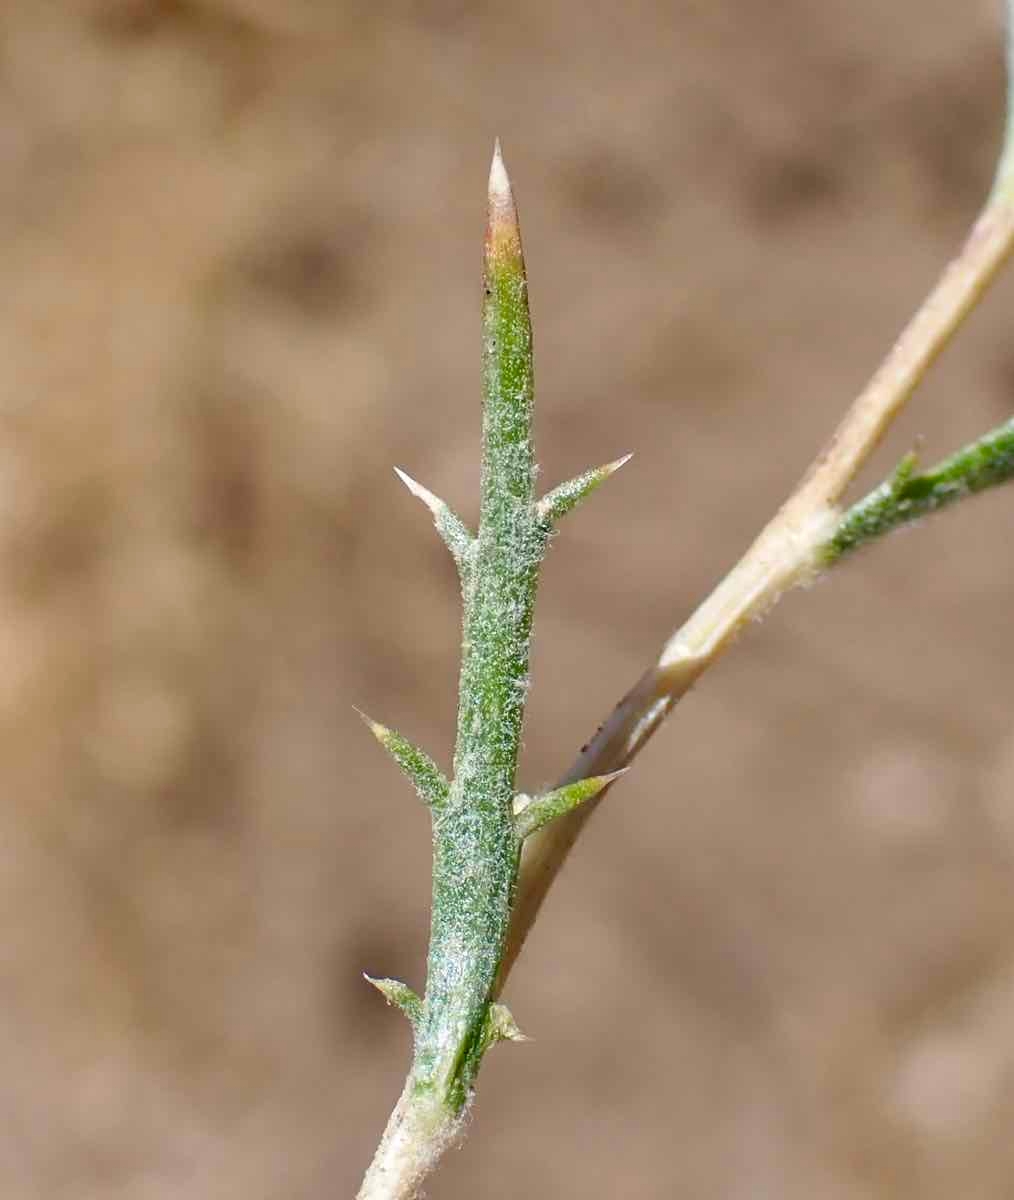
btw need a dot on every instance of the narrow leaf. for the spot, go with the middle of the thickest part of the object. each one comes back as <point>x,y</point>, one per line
<point>543,809</point>
<point>457,537</point>
<point>399,994</point>
<point>427,778</point>
<point>562,499</point>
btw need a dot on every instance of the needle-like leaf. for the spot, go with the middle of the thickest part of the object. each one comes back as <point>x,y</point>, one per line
<point>562,499</point>
<point>427,778</point>
<point>540,810</point>
<point>456,534</point>
<point>399,994</point>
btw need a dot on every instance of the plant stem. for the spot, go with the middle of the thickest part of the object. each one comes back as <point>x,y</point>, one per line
<point>416,1135</point>
<point>478,922</point>
<point>476,848</point>
<point>476,841</point>
<point>907,497</point>
<point>789,550</point>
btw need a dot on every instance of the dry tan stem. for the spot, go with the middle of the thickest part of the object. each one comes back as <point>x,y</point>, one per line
<point>781,556</point>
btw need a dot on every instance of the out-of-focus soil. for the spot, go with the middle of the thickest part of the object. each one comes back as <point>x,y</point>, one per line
<point>240,280</point>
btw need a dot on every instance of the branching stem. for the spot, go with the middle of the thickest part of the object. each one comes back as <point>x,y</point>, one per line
<point>790,549</point>
<point>482,911</point>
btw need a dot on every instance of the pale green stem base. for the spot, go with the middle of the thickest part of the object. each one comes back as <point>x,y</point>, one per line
<point>419,1131</point>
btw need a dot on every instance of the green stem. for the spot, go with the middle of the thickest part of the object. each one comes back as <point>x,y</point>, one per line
<point>906,496</point>
<point>476,846</point>
<point>478,822</point>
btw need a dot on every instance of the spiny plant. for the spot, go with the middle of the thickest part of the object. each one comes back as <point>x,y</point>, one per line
<point>497,851</point>
<point>479,822</point>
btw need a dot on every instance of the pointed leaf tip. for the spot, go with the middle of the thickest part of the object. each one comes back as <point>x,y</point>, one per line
<point>540,810</point>
<point>433,503</point>
<point>499,181</point>
<point>503,233</point>
<point>399,994</point>
<point>566,496</point>
<point>904,470</point>
<point>426,777</point>
<point>457,537</point>
<point>379,731</point>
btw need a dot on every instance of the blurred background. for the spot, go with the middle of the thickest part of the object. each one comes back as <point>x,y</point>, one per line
<point>240,260</point>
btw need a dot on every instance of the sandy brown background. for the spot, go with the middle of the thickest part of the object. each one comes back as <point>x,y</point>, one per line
<point>238,281</point>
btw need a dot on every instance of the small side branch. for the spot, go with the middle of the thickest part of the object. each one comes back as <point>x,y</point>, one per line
<point>907,497</point>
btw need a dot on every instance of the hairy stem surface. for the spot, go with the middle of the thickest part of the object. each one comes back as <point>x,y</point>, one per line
<point>479,823</point>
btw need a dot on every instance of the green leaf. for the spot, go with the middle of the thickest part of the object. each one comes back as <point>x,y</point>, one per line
<point>540,810</point>
<point>456,534</point>
<point>427,778</point>
<point>562,499</point>
<point>400,995</point>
